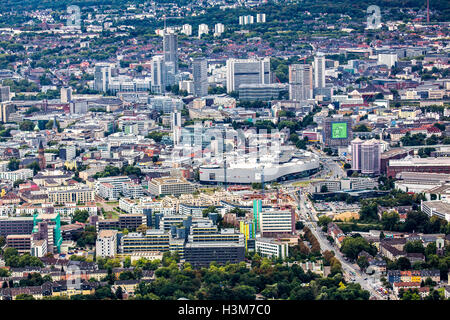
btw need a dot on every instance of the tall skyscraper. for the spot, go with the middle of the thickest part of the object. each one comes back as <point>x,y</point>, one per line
<point>337,132</point>
<point>4,93</point>
<point>158,74</point>
<point>300,82</point>
<point>66,94</point>
<point>170,45</point>
<point>5,110</point>
<point>371,157</point>
<point>366,156</point>
<point>356,153</point>
<point>200,73</point>
<point>102,77</point>
<point>247,71</point>
<point>176,127</point>
<point>319,71</point>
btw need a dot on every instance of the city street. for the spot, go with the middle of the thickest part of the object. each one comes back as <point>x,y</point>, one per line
<point>309,215</point>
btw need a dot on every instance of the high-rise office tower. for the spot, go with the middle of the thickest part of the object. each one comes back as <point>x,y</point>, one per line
<point>200,73</point>
<point>78,106</point>
<point>247,71</point>
<point>68,153</point>
<point>371,157</point>
<point>300,82</point>
<point>158,74</point>
<point>337,132</point>
<point>5,110</point>
<point>170,45</point>
<point>4,93</point>
<point>356,154</point>
<point>169,75</point>
<point>319,71</point>
<point>366,156</point>
<point>66,94</point>
<point>102,77</point>
<point>176,127</point>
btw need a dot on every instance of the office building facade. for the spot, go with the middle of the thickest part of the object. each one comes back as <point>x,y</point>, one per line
<point>102,77</point>
<point>247,71</point>
<point>300,82</point>
<point>370,157</point>
<point>319,71</point>
<point>158,74</point>
<point>170,45</point>
<point>200,74</point>
<point>106,244</point>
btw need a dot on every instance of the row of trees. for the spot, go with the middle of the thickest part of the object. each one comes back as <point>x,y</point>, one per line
<point>239,282</point>
<point>111,171</point>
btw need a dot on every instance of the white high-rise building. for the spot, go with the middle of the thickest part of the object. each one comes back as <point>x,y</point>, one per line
<point>106,244</point>
<point>356,154</point>
<point>186,85</point>
<point>219,28</point>
<point>371,157</point>
<point>247,71</point>
<point>186,29</point>
<point>176,127</point>
<point>200,73</point>
<point>102,76</point>
<point>66,94</point>
<point>319,71</point>
<point>300,82</point>
<point>366,156</point>
<point>158,74</point>
<point>246,20</point>
<point>275,222</point>
<point>260,18</point>
<point>203,29</point>
<point>389,59</point>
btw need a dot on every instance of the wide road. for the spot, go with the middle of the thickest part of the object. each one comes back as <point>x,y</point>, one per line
<point>350,269</point>
<point>332,170</point>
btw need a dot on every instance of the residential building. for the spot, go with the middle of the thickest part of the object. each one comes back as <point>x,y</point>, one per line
<point>106,244</point>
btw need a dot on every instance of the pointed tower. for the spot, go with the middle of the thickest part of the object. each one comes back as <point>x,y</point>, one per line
<point>55,127</point>
<point>41,156</point>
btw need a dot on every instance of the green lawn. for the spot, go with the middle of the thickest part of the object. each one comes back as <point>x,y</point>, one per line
<point>111,215</point>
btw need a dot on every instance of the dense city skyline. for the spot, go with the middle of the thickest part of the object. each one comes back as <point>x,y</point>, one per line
<point>224,150</point>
